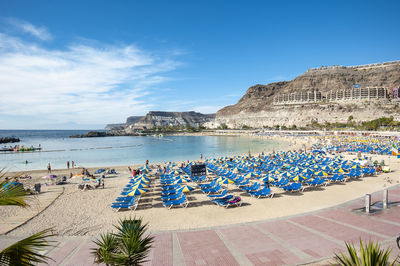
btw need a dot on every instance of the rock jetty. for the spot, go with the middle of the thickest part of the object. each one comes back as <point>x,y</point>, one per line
<point>9,140</point>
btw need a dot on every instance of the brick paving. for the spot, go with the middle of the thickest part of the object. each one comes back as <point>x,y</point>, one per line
<point>308,242</point>
<point>204,248</point>
<point>299,239</point>
<point>257,246</point>
<point>161,253</point>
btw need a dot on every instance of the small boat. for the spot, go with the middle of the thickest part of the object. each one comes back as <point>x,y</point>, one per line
<point>20,149</point>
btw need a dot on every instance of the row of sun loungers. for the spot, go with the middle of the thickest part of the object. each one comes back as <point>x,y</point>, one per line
<point>128,202</point>
<point>172,192</point>
<point>129,199</point>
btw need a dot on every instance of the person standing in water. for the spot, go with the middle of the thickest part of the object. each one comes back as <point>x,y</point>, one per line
<point>67,164</point>
<point>48,168</point>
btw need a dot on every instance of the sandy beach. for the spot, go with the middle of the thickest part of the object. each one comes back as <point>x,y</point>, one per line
<point>77,212</point>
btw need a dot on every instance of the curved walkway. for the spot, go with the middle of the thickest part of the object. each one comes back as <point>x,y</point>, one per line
<point>38,203</point>
<point>307,238</point>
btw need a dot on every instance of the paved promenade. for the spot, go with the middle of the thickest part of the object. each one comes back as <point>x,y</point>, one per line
<point>301,239</point>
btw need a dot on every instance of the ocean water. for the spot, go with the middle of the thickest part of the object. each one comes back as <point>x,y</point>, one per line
<point>58,148</point>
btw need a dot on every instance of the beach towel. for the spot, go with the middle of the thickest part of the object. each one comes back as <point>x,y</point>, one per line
<point>235,200</point>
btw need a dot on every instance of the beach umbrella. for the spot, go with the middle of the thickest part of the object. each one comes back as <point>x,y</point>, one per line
<point>49,177</point>
<point>175,172</point>
<point>224,181</point>
<point>320,173</point>
<point>326,168</point>
<point>339,170</point>
<point>139,185</point>
<point>249,175</point>
<point>267,178</point>
<point>357,166</point>
<point>187,188</point>
<point>299,178</point>
<point>296,169</point>
<point>178,181</point>
<point>276,172</point>
<point>137,191</point>
<point>286,174</point>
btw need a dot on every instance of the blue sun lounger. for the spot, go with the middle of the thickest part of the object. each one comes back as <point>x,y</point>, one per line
<point>131,205</point>
<point>125,199</point>
<point>172,191</point>
<point>215,196</point>
<point>263,193</point>
<point>212,190</point>
<point>209,185</point>
<point>172,196</point>
<point>294,187</point>
<point>183,202</point>
<point>256,186</point>
<point>244,183</point>
<point>229,200</point>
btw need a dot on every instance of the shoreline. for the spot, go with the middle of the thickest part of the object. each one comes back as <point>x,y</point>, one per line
<point>281,142</point>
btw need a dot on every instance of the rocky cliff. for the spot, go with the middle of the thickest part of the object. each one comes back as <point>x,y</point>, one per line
<point>155,119</point>
<point>256,108</point>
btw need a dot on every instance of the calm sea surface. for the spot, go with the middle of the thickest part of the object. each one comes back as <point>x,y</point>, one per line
<point>58,148</point>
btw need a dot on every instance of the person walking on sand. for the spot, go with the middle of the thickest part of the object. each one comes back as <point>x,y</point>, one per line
<point>147,162</point>
<point>73,164</point>
<point>67,164</point>
<point>48,168</point>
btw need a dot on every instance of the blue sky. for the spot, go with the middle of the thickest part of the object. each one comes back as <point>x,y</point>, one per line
<point>83,64</point>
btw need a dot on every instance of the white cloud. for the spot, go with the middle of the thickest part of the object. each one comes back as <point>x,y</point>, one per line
<point>39,32</point>
<point>207,109</point>
<point>83,84</point>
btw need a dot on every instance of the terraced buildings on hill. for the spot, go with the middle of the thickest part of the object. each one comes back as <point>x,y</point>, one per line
<point>326,94</point>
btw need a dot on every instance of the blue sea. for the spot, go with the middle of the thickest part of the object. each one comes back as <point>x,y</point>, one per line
<point>58,148</point>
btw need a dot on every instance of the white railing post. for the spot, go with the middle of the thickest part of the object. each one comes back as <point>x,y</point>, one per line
<point>367,202</point>
<point>385,199</point>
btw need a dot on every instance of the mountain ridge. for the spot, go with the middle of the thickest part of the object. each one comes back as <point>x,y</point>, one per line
<point>257,107</point>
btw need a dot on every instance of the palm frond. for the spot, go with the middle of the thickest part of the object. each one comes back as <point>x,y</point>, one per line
<point>27,251</point>
<point>11,193</point>
<point>370,254</point>
<point>128,246</point>
<point>107,246</point>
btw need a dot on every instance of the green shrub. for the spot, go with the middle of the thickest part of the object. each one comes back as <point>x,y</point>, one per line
<point>370,254</point>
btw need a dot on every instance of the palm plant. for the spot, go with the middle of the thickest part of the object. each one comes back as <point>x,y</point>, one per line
<point>370,254</point>
<point>10,194</point>
<point>26,251</point>
<point>128,246</point>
